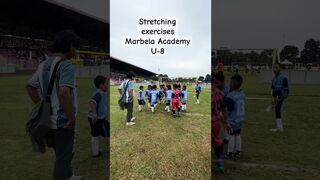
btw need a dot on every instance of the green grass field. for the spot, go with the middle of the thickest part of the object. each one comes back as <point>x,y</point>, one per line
<point>293,154</point>
<point>159,146</point>
<point>17,159</point>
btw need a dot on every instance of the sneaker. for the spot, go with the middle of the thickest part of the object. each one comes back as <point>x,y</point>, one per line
<point>96,156</point>
<point>274,130</point>
<point>73,177</point>
<point>130,123</point>
<point>238,154</point>
<point>230,156</point>
<point>219,169</point>
<point>132,119</point>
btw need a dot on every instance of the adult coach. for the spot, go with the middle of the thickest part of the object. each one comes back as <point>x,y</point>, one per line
<point>280,91</point>
<point>63,100</point>
<point>127,88</point>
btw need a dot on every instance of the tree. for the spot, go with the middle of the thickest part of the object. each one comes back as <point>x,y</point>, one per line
<point>208,78</point>
<point>201,78</point>
<point>289,53</point>
<point>311,51</point>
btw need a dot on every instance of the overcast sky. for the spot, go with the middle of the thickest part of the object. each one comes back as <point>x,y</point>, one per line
<point>193,20</point>
<point>262,23</point>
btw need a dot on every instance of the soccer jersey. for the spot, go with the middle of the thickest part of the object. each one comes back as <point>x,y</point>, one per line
<point>99,98</point>
<point>153,96</point>
<point>235,102</point>
<point>65,77</point>
<point>217,103</point>
<point>168,94</point>
<point>280,84</point>
<point>175,95</point>
<point>141,95</point>
<point>198,88</point>
<point>184,96</point>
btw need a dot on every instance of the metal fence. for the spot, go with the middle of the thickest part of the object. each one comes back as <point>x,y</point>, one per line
<point>294,76</point>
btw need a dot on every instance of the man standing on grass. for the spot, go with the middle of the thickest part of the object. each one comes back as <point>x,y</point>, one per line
<point>279,91</point>
<point>63,100</point>
<point>127,88</point>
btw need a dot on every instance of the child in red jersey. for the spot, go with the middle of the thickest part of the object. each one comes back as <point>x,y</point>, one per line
<point>175,101</point>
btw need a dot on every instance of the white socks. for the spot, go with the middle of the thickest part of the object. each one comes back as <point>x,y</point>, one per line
<point>167,108</point>
<point>231,144</point>
<point>279,124</point>
<point>184,107</point>
<point>95,146</point>
<point>238,142</point>
<point>198,101</point>
<point>149,105</point>
<point>234,143</point>
<point>140,108</point>
<point>152,109</point>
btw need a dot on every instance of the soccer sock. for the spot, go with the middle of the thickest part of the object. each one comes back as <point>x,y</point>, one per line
<point>238,142</point>
<point>174,112</point>
<point>179,109</point>
<point>226,135</point>
<point>279,124</point>
<point>219,155</point>
<point>231,144</point>
<point>185,107</point>
<point>95,146</point>
<point>149,105</point>
<point>152,109</point>
<point>140,108</point>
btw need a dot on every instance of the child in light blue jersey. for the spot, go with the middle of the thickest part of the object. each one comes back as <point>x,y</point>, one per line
<point>235,102</point>
<point>168,95</point>
<point>141,101</point>
<point>147,96</point>
<point>184,97</point>
<point>97,115</point>
<point>153,96</point>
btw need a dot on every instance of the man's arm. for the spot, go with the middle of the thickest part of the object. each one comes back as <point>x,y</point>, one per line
<point>93,108</point>
<point>66,104</point>
<point>33,94</point>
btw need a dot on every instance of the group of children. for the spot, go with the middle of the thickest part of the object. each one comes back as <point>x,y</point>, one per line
<point>175,99</point>
<point>228,107</point>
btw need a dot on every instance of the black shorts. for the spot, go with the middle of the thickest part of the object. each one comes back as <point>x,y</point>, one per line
<point>141,102</point>
<point>168,102</point>
<point>101,128</point>
<point>236,132</point>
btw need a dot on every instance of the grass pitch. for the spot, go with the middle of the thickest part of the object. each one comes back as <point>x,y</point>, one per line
<point>293,154</point>
<point>17,159</point>
<point>159,146</point>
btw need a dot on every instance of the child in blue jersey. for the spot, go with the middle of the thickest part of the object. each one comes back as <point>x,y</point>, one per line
<point>184,97</point>
<point>97,115</point>
<point>161,92</point>
<point>153,96</point>
<point>235,102</point>
<point>279,91</point>
<point>147,96</point>
<point>198,91</point>
<point>168,95</point>
<point>141,101</point>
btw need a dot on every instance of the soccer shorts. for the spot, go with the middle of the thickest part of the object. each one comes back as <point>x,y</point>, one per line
<point>101,128</point>
<point>141,102</point>
<point>168,102</point>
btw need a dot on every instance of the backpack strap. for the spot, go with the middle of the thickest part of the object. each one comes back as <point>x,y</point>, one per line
<point>52,78</point>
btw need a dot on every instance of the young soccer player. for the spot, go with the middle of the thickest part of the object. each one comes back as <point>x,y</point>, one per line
<point>141,101</point>
<point>175,101</point>
<point>218,108</point>
<point>97,115</point>
<point>153,96</point>
<point>279,91</point>
<point>198,91</point>
<point>161,93</point>
<point>235,102</point>
<point>184,97</point>
<point>147,96</point>
<point>168,95</point>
